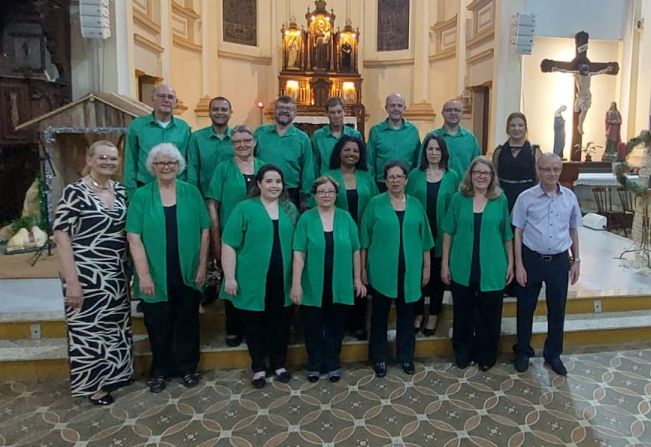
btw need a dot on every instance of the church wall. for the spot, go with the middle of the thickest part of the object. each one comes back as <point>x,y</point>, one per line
<point>544,93</point>
<point>380,82</point>
<point>443,85</point>
<point>186,79</point>
<point>642,118</point>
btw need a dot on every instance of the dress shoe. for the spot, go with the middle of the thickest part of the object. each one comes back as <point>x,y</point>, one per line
<point>334,376</point>
<point>283,376</point>
<point>313,376</point>
<point>380,369</point>
<point>361,335</point>
<point>156,384</point>
<point>557,366</point>
<point>408,367</point>
<point>484,367</point>
<point>190,380</point>
<point>233,341</point>
<point>106,399</point>
<point>427,332</point>
<point>259,382</point>
<point>461,364</point>
<point>521,363</point>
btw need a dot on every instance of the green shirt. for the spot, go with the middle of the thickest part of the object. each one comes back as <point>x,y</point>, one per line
<point>146,218</point>
<point>380,234</point>
<point>323,143</point>
<point>494,232</point>
<point>386,144</point>
<point>205,151</point>
<point>228,187</point>
<point>417,187</point>
<point>143,134</point>
<point>310,240</point>
<point>462,148</point>
<point>291,152</point>
<point>366,190</point>
<point>249,231</point>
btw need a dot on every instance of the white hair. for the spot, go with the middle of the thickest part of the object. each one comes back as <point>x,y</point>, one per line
<point>167,149</point>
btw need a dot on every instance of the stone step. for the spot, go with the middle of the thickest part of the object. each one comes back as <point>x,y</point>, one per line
<point>47,358</point>
<point>35,325</point>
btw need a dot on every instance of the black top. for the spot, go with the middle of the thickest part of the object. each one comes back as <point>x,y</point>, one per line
<point>275,272</point>
<point>174,274</point>
<point>432,195</point>
<point>328,261</point>
<point>474,263</point>
<point>401,257</point>
<point>248,179</point>
<point>353,203</point>
<point>516,173</point>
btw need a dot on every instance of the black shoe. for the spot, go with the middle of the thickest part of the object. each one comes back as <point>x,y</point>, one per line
<point>313,376</point>
<point>190,380</point>
<point>484,367</point>
<point>260,382</point>
<point>380,369</point>
<point>557,366</point>
<point>156,384</point>
<point>461,365</point>
<point>428,332</point>
<point>103,401</point>
<point>521,363</point>
<point>361,335</point>
<point>334,376</point>
<point>283,377</point>
<point>233,340</point>
<point>408,367</point>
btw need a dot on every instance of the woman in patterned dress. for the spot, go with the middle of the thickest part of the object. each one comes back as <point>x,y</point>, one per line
<point>89,233</point>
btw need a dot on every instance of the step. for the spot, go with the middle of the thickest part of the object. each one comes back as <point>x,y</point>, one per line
<point>35,325</point>
<point>45,359</point>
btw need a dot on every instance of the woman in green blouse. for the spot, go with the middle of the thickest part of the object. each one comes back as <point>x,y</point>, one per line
<point>326,277</point>
<point>256,258</point>
<point>396,242</point>
<point>232,180</point>
<point>433,184</point>
<point>477,229</point>
<point>356,188</point>
<point>167,228</point>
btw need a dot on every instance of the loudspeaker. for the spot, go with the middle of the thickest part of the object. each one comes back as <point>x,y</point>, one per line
<point>94,17</point>
<point>523,30</point>
<point>595,221</point>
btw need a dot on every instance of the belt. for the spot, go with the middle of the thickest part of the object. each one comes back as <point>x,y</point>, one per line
<point>515,182</point>
<point>544,257</point>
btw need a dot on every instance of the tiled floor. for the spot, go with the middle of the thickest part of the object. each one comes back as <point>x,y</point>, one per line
<point>604,401</point>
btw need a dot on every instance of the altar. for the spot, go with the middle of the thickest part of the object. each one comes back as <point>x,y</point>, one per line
<point>587,181</point>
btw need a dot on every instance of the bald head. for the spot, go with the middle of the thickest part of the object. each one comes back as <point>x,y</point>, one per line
<point>549,158</point>
<point>452,113</point>
<point>395,107</point>
<point>164,99</point>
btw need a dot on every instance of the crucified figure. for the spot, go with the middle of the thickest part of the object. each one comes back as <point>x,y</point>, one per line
<point>583,99</point>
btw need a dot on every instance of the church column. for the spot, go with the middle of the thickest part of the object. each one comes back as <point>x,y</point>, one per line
<point>119,49</point>
<point>166,41</point>
<point>209,57</point>
<point>420,110</point>
<point>507,73</point>
<point>462,12</point>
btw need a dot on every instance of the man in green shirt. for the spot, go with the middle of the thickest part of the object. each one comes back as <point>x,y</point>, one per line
<point>147,131</point>
<point>325,138</point>
<point>462,144</point>
<point>395,138</point>
<point>211,145</point>
<point>290,149</point>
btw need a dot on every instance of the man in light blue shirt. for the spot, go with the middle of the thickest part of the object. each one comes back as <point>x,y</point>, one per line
<point>546,220</point>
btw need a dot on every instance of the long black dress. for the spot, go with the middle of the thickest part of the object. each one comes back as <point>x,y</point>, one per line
<point>99,333</point>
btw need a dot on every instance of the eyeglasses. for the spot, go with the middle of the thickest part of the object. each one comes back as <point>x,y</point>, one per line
<point>477,173</point>
<point>330,192</point>
<point>395,178</point>
<point>243,141</point>
<point>286,108</point>
<point>452,109</point>
<point>105,157</point>
<point>165,96</point>
<point>548,170</point>
<point>166,164</point>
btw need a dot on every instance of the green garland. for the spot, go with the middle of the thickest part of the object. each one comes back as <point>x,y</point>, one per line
<point>620,169</point>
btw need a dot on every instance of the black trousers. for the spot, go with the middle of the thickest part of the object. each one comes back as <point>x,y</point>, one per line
<point>356,315</point>
<point>173,331</point>
<point>267,331</point>
<point>324,332</point>
<point>434,289</point>
<point>476,325</point>
<point>233,319</point>
<point>378,345</point>
<point>554,272</point>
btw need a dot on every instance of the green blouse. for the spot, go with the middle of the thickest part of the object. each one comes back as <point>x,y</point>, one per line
<point>366,190</point>
<point>309,239</point>
<point>494,232</point>
<point>228,187</point>
<point>417,187</point>
<point>146,218</point>
<point>249,231</point>
<point>380,234</point>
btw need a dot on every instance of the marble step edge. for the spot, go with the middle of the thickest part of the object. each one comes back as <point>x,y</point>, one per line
<point>56,348</point>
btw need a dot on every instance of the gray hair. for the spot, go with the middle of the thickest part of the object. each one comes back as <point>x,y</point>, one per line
<point>241,128</point>
<point>167,149</point>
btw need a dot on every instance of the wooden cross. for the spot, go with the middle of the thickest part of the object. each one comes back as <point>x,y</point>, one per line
<point>580,66</point>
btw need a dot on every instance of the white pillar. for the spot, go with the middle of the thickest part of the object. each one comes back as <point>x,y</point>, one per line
<point>462,12</point>
<point>166,40</point>
<point>421,51</point>
<point>124,64</point>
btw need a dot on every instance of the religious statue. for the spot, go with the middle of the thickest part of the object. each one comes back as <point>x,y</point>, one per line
<point>293,50</point>
<point>321,44</point>
<point>346,57</point>
<point>583,99</point>
<point>613,130</point>
<point>559,131</point>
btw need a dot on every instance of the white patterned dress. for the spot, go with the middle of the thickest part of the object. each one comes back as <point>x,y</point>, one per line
<point>99,333</point>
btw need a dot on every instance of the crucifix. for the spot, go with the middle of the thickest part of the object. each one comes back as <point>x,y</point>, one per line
<point>583,70</point>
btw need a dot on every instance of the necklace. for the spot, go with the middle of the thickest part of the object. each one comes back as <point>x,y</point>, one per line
<point>97,185</point>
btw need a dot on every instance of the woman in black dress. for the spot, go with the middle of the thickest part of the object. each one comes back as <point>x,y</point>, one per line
<point>89,233</point>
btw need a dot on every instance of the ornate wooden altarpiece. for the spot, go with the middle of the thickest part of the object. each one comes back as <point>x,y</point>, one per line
<point>319,63</point>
